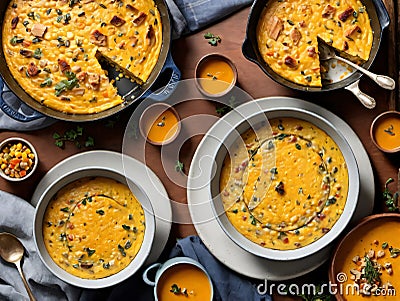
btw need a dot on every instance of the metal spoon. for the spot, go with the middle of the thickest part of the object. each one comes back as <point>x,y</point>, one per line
<point>327,53</point>
<point>12,250</point>
<point>368,101</point>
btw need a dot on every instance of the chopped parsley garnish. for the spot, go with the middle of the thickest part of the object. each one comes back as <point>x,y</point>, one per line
<point>126,227</point>
<point>65,209</point>
<point>101,212</point>
<point>122,250</point>
<point>90,251</point>
<point>213,40</point>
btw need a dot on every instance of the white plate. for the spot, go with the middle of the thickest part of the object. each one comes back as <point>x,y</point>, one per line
<point>133,170</point>
<point>200,205</point>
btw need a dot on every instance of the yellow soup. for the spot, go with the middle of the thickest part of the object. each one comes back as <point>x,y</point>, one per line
<point>52,49</point>
<point>287,191</point>
<point>216,75</point>
<point>93,227</point>
<point>164,127</point>
<point>387,133</point>
<point>183,282</point>
<point>379,236</point>
<point>288,32</point>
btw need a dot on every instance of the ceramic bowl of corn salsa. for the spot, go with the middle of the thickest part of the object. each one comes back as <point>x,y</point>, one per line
<point>18,159</point>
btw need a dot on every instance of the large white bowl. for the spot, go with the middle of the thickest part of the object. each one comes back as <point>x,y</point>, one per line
<point>229,133</point>
<point>140,257</point>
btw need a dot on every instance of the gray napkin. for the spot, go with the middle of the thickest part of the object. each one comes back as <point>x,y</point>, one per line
<point>16,217</point>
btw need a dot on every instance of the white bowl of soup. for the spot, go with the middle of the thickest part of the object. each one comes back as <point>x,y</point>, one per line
<point>93,227</point>
<point>180,278</point>
<point>286,183</point>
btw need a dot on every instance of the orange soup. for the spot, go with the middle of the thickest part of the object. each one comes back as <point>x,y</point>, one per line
<point>215,75</point>
<point>183,282</point>
<point>387,133</point>
<point>380,241</point>
<point>164,127</point>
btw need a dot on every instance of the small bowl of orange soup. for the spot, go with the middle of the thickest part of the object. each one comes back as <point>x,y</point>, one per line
<point>180,278</point>
<point>160,124</point>
<point>385,131</point>
<point>366,263</point>
<point>215,75</point>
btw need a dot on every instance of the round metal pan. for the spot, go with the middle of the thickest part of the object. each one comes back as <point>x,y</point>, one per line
<point>165,69</point>
<point>379,21</point>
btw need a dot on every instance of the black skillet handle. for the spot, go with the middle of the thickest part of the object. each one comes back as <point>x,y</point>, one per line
<point>248,51</point>
<point>163,93</point>
<point>13,112</point>
<point>382,14</point>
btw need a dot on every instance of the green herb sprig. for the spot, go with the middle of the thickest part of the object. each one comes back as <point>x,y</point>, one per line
<point>179,166</point>
<point>75,136</point>
<point>391,199</point>
<point>222,110</point>
<point>371,273</point>
<point>213,40</point>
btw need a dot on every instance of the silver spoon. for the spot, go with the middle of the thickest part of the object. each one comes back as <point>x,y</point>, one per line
<point>327,53</point>
<point>368,101</point>
<point>12,250</point>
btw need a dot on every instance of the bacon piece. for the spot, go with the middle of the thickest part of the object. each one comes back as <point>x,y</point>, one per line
<point>94,80</point>
<point>38,30</point>
<point>295,35</point>
<point>81,76</point>
<point>328,11</point>
<point>26,43</point>
<point>311,51</point>
<point>290,62</point>
<point>150,36</point>
<point>64,66</point>
<point>76,69</point>
<point>302,23</point>
<point>345,46</point>
<point>117,21</point>
<point>275,26</point>
<point>97,38</point>
<point>32,69</point>
<point>78,91</point>
<point>132,8</point>
<point>26,53</point>
<point>346,14</point>
<point>349,31</point>
<point>139,19</point>
<point>14,22</point>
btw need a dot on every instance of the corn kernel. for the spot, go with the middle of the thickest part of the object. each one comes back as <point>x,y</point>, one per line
<point>19,146</point>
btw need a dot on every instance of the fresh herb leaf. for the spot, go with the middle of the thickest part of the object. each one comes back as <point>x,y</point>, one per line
<point>90,251</point>
<point>391,200</point>
<point>101,212</point>
<point>74,136</point>
<point>65,209</point>
<point>385,245</point>
<point>175,289</point>
<point>89,142</point>
<point>47,82</point>
<point>213,40</point>
<point>179,166</point>
<point>371,273</point>
<point>394,252</point>
<point>122,251</point>
<point>128,244</point>
<point>126,227</point>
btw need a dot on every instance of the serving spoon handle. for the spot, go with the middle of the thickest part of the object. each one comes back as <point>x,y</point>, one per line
<point>384,81</point>
<point>28,290</point>
<point>368,101</point>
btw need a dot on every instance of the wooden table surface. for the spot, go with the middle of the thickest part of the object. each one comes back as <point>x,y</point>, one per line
<point>186,52</point>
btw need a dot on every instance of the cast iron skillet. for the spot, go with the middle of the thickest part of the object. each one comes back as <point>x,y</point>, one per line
<point>165,69</point>
<point>379,21</point>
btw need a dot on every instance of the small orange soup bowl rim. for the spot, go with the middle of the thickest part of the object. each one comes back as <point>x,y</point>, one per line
<point>33,150</point>
<point>224,58</point>
<point>148,114</point>
<point>380,117</point>
<point>163,267</point>
<point>381,217</point>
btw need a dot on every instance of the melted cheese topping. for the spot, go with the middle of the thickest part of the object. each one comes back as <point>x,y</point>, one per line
<point>132,40</point>
<point>286,191</point>
<point>288,30</point>
<point>94,227</point>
